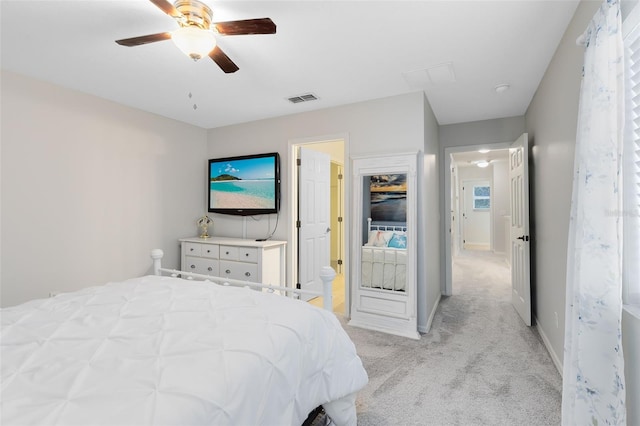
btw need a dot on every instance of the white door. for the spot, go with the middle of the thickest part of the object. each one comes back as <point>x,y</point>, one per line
<point>520,245</point>
<point>476,226</point>
<point>455,210</point>
<point>314,217</point>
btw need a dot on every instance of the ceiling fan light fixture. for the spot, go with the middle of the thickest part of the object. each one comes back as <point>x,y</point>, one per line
<point>193,41</point>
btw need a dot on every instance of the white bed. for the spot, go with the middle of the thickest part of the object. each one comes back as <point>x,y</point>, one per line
<point>384,257</point>
<point>163,350</point>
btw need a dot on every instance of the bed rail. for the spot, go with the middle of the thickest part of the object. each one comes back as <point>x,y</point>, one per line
<point>399,227</point>
<point>327,275</point>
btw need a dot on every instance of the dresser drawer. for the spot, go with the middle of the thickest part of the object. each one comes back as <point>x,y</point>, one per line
<point>210,251</point>
<point>239,270</point>
<point>192,249</point>
<point>201,250</point>
<point>229,252</point>
<point>248,254</point>
<point>242,254</point>
<point>200,265</point>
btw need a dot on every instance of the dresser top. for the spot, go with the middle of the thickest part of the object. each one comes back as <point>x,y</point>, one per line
<point>234,242</point>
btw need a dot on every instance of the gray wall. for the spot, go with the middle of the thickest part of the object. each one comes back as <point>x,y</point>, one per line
<point>89,187</point>
<point>429,217</point>
<point>551,122</point>
<point>402,123</point>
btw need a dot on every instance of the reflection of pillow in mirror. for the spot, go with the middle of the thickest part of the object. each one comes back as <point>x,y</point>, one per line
<point>372,238</point>
<point>398,241</point>
<point>379,238</point>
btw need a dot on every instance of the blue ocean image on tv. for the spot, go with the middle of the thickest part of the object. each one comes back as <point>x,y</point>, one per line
<point>242,184</point>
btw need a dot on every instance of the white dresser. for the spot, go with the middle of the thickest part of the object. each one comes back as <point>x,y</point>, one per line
<point>235,258</point>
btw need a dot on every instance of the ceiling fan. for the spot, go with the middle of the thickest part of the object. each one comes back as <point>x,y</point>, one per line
<point>196,35</point>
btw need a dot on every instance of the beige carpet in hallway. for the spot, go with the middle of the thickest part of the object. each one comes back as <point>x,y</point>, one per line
<point>479,364</point>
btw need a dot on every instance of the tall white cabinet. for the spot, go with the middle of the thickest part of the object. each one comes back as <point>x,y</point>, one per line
<point>235,258</point>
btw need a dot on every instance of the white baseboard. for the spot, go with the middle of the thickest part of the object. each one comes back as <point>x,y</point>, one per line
<point>425,328</point>
<point>547,344</point>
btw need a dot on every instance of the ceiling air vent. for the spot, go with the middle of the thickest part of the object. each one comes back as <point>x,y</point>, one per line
<point>302,98</point>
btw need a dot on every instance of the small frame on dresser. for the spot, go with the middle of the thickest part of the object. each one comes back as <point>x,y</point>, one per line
<point>327,275</point>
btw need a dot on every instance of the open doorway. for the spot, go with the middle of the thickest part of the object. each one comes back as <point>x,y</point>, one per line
<point>335,148</point>
<point>477,199</point>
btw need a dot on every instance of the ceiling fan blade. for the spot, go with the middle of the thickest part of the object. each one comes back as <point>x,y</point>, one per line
<point>223,61</point>
<point>247,26</point>
<point>137,41</point>
<point>167,8</point>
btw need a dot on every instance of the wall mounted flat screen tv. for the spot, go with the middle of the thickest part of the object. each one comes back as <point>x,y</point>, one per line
<point>244,185</point>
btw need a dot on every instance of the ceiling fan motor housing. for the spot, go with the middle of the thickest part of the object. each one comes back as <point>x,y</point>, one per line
<point>195,13</point>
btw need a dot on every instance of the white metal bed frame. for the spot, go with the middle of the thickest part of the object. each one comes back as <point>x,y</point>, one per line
<point>384,268</point>
<point>382,227</point>
<point>327,275</point>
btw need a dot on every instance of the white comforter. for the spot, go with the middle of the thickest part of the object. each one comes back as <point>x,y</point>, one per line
<point>160,350</point>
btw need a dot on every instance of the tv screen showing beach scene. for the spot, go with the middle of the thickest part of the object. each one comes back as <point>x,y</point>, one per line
<point>245,185</point>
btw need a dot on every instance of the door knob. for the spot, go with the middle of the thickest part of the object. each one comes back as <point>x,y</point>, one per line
<point>524,238</point>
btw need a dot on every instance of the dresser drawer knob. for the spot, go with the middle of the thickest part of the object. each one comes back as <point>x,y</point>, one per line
<point>246,254</point>
<point>191,249</point>
<point>209,269</point>
<point>227,253</point>
<point>193,266</point>
<point>227,271</point>
<point>248,274</point>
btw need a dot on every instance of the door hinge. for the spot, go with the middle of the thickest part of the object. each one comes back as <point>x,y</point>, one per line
<point>298,286</point>
<point>339,176</point>
<point>298,161</point>
<point>339,219</point>
<point>339,261</point>
<point>298,224</point>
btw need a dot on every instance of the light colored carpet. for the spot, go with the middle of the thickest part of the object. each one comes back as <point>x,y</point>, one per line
<point>479,364</point>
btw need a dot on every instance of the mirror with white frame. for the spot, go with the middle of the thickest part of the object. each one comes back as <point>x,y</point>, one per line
<point>384,244</point>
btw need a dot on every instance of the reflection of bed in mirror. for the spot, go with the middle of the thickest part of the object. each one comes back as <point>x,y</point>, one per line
<point>384,256</point>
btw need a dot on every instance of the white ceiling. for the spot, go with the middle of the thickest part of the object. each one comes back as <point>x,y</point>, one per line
<point>341,51</point>
<point>468,158</point>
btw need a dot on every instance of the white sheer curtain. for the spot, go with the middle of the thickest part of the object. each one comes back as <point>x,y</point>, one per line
<point>593,377</point>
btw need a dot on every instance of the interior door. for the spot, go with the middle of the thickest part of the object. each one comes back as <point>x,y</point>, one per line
<point>313,216</point>
<point>337,239</point>
<point>477,218</point>
<point>520,244</point>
